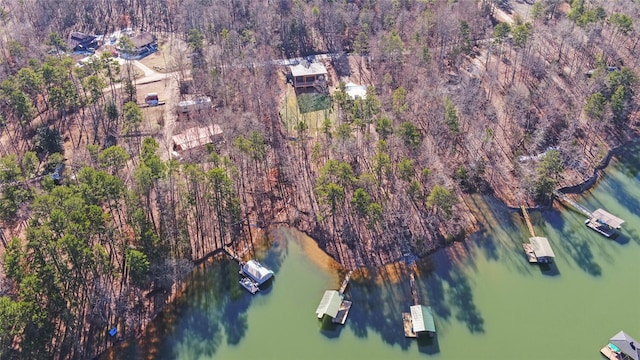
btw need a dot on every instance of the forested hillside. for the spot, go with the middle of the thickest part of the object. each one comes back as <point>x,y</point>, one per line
<point>101,216</point>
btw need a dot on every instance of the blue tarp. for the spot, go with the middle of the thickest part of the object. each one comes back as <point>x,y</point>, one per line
<point>113,331</point>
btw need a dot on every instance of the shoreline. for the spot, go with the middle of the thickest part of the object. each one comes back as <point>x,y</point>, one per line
<point>365,273</point>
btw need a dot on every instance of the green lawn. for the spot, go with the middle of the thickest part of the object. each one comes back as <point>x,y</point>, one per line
<point>312,102</point>
<point>310,108</point>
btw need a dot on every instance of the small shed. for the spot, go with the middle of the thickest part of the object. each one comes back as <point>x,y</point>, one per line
<point>422,319</point>
<point>329,304</point>
<point>196,137</point>
<point>541,248</point>
<point>257,272</point>
<point>608,219</point>
<point>626,346</point>
<point>308,74</point>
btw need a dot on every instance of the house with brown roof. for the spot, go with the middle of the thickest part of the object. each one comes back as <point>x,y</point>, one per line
<point>196,137</point>
<point>144,44</point>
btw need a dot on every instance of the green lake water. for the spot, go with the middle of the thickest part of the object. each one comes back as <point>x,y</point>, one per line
<point>488,302</point>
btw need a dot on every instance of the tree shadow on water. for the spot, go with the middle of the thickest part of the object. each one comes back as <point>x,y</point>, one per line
<point>574,243</point>
<point>428,344</point>
<point>330,329</point>
<point>449,293</point>
<point>549,269</point>
<point>377,308</point>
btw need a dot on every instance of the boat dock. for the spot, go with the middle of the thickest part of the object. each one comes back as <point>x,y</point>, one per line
<point>408,325</point>
<point>538,249</point>
<point>343,312</point>
<point>420,318</point>
<point>608,353</point>
<point>599,220</point>
<point>334,304</point>
<point>531,256</point>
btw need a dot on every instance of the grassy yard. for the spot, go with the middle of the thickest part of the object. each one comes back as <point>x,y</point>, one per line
<point>312,109</point>
<point>168,58</point>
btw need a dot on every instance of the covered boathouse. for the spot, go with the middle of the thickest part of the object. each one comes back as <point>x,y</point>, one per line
<point>329,304</point>
<point>256,272</point>
<point>419,321</point>
<point>542,249</point>
<point>604,222</point>
<point>622,347</point>
<point>335,306</point>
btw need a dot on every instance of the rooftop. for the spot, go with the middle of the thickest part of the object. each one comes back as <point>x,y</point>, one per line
<point>196,136</point>
<point>626,344</point>
<point>422,318</point>
<point>257,272</point>
<point>355,91</point>
<point>607,218</point>
<point>330,304</point>
<point>308,68</point>
<point>541,247</point>
<point>143,39</point>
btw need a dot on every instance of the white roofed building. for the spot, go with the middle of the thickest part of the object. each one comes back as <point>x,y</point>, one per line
<point>308,74</point>
<point>257,272</point>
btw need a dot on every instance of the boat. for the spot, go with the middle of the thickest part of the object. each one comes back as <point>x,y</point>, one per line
<point>600,228</point>
<point>250,285</point>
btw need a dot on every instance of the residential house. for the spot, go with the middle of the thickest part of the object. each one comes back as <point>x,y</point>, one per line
<point>196,137</point>
<point>308,74</point>
<point>82,42</point>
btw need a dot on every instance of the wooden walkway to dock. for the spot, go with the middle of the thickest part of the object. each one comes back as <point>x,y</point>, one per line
<point>414,290</point>
<point>229,251</point>
<point>345,282</point>
<point>527,219</point>
<point>567,201</point>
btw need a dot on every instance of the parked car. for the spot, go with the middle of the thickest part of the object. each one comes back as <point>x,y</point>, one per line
<point>57,173</point>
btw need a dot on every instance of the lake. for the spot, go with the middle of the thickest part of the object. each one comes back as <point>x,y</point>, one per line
<point>488,301</point>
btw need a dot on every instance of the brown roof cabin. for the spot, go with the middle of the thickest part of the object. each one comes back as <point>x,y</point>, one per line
<point>196,137</point>
<point>307,74</point>
<point>144,42</point>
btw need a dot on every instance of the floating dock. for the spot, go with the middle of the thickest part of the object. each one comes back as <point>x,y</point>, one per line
<point>531,256</point>
<point>608,353</point>
<point>343,312</point>
<point>600,220</point>
<point>408,326</point>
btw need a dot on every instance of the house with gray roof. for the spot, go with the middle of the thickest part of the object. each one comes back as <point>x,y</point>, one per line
<point>308,74</point>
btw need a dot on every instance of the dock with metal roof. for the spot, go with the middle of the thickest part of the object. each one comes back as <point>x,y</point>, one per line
<point>538,250</point>
<point>334,304</point>
<point>599,220</point>
<point>418,321</point>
